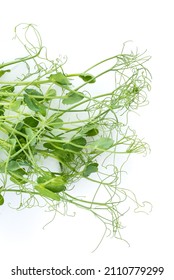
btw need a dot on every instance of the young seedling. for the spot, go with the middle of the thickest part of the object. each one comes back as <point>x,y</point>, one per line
<point>46,113</point>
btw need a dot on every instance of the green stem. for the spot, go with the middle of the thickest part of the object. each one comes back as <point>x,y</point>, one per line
<point>103,61</point>
<point>84,201</point>
<point>21,83</point>
<point>20,60</point>
<point>18,190</point>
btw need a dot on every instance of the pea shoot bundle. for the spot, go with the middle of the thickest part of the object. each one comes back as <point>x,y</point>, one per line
<point>46,113</point>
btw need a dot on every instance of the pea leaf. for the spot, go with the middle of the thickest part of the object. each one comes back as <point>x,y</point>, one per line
<point>13,166</point>
<point>86,77</point>
<point>30,121</point>
<point>57,184</point>
<point>35,93</point>
<point>46,177</point>
<point>103,143</point>
<point>59,79</point>
<point>19,126</point>
<point>47,193</point>
<point>90,168</point>
<point>89,129</point>
<point>1,199</point>
<point>2,72</point>
<point>54,121</point>
<point>54,145</point>
<point>49,145</point>
<point>55,189</point>
<point>17,176</point>
<point>31,103</point>
<point>73,97</point>
<point>42,109</point>
<point>57,180</point>
<point>50,93</point>
<point>15,105</point>
<point>92,132</point>
<point>23,162</point>
<point>76,144</point>
<point>64,157</point>
<point>31,136</point>
<point>34,105</point>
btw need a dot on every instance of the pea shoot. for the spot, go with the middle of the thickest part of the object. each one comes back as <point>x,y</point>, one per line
<point>46,113</point>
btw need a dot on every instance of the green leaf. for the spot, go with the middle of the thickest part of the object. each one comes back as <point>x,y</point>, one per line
<point>30,121</point>
<point>47,193</point>
<point>1,199</point>
<point>42,109</point>
<point>2,72</point>
<point>15,105</point>
<point>17,176</point>
<point>31,103</point>
<point>76,145</point>
<point>24,163</point>
<point>103,143</point>
<point>56,149</point>
<point>73,97</point>
<point>31,136</point>
<point>92,132</point>
<point>88,78</point>
<point>55,122</point>
<point>54,145</point>
<point>59,79</point>
<point>89,130</point>
<point>64,157</point>
<point>19,126</point>
<point>34,105</point>
<point>90,168</point>
<point>35,93</point>
<point>50,93</point>
<point>49,145</point>
<point>55,188</point>
<point>13,166</point>
<point>57,184</point>
<point>46,177</point>
<point>52,183</point>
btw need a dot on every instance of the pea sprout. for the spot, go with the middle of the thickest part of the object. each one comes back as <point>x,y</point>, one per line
<point>46,113</point>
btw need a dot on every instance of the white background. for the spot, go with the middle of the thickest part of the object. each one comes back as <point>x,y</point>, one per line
<point>88,31</point>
